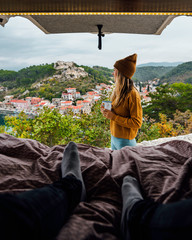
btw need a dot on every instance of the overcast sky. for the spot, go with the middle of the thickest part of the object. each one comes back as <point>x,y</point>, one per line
<point>23,44</point>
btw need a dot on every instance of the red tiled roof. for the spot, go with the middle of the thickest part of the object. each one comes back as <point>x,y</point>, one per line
<point>77,107</point>
<point>18,101</point>
<point>36,98</point>
<point>66,102</point>
<point>91,93</point>
<point>65,107</point>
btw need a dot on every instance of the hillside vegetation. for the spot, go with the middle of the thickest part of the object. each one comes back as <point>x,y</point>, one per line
<point>143,74</point>
<point>24,83</point>
<point>181,73</point>
<point>39,80</point>
<point>26,76</point>
<point>100,74</point>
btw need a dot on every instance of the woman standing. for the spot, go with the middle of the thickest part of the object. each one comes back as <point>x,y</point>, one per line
<point>126,114</point>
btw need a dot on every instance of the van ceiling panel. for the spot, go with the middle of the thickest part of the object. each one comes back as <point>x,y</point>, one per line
<point>95,5</point>
<point>139,24</point>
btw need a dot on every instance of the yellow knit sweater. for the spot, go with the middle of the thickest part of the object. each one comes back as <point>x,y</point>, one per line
<point>128,117</point>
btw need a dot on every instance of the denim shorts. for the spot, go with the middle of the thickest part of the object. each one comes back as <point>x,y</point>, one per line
<point>118,143</point>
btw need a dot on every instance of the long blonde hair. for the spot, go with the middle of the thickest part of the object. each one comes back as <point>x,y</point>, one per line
<point>122,87</point>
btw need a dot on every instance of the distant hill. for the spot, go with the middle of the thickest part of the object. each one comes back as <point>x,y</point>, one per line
<point>100,74</point>
<point>181,73</point>
<point>169,74</point>
<point>157,64</point>
<point>50,80</point>
<point>26,76</point>
<point>143,74</point>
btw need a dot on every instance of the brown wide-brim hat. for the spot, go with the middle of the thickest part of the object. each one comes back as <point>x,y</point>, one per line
<point>127,66</point>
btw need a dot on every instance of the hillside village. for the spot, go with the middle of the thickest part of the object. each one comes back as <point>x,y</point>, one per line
<point>30,105</point>
<point>70,99</point>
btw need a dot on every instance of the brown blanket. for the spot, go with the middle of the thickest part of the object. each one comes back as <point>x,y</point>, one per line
<point>164,172</point>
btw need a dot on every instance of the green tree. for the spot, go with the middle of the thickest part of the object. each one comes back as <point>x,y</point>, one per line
<point>162,101</point>
<point>2,129</point>
<point>50,127</point>
<point>19,126</point>
<point>148,130</point>
<point>6,75</point>
<point>182,122</point>
<point>95,129</point>
<point>168,98</point>
<point>165,127</point>
<point>184,96</point>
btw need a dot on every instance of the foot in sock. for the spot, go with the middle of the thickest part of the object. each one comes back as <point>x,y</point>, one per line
<point>131,194</point>
<point>71,165</point>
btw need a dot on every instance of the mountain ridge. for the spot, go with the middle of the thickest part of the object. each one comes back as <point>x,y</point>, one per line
<point>181,73</point>
<point>48,82</point>
<point>159,64</point>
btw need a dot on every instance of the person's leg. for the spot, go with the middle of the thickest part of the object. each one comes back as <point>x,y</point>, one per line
<point>126,142</point>
<point>70,166</point>
<point>154,221</point>
<point>172,221</point>
<point>146,219</point>
<point>130,195</point>
<point>113,143</point>
<point>40,213</point>
<point>119,143</point>
<point>131,143</point>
